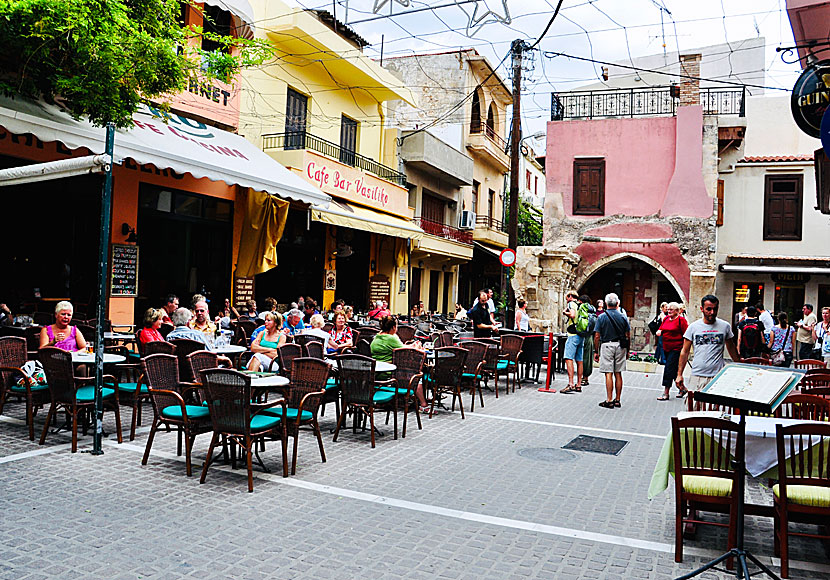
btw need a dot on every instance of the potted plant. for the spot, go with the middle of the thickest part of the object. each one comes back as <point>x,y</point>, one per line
<point>641,364</point>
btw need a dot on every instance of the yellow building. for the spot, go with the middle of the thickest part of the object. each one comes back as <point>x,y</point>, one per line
<point>318,109</point>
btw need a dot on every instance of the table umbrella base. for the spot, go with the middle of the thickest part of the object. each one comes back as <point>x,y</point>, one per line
<point>546,390</point>
<point>741,570</point>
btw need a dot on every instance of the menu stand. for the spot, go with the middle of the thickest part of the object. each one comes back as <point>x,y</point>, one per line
<point>742,406</point>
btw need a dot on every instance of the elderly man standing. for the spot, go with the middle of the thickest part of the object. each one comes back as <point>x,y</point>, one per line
<point>201,321</point>
<point>293,322</point>
<point>614,333</point>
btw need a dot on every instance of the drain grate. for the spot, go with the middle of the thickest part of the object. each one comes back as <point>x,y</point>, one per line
<point>596,445</point>
<point>547,454</point>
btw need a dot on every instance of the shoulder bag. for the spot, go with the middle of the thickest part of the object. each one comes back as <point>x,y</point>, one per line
<point>625,342</point>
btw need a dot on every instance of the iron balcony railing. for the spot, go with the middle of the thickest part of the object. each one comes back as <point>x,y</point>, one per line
<point>444,231</point>
<point>305,140</point>
<point>491,223</point>
<point>651,101</point>
<point>478,126</point>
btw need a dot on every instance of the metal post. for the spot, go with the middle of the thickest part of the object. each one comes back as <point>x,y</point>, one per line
<point>513,225</point>
<point>103,282</point>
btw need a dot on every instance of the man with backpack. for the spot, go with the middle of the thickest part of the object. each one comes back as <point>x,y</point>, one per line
<point>587,309</point>
<point>751,335</point>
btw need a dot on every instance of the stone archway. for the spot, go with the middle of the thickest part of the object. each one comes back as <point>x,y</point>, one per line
<point>583,276</point>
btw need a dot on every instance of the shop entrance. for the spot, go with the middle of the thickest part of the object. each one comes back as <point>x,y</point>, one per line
<point>353,268</point>
<point>789,299</point>
<point>746,294</point>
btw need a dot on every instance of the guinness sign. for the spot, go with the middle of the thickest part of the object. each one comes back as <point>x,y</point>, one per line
<point>811,97</point>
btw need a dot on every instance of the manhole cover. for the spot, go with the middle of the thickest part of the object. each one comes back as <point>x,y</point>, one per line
<point>596,445</point>
<point>547,454</point>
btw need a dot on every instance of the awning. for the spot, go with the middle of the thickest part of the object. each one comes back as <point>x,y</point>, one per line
<point>484,248</point>
<point>774,269</point>
<point>242,10</point>
<point>183,145</point>
<point>340,213</point>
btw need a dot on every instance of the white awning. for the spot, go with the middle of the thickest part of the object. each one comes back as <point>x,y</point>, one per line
<point>242,10</point>
<point>490,251</point>
<point>773,269</point>
<point>181,144</point>
<point>341,213</point>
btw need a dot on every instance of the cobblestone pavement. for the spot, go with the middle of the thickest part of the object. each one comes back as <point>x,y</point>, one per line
<point>458,499</point>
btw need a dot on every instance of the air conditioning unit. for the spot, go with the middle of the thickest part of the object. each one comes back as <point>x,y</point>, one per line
<point>467,221</point>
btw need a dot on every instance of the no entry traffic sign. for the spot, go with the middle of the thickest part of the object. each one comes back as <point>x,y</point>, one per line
<point>507,257</point>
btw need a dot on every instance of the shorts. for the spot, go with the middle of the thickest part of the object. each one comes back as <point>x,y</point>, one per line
<point>265,362</point>
<point>574,347</point>
<point>611,358</point>
<point>696,383</point>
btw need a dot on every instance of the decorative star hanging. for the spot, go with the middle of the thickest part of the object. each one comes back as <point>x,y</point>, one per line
<point>379,4</point>
<point>482,14</point>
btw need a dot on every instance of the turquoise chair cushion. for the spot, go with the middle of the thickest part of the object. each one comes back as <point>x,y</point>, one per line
<point>383,396</point>
<point>35,389</point>
<point>331,383</point>
<point>261,422</point>
<point>193,412</point>
<point>87,394</point>
<point>130,387</point>
<point>289,412</point>
<point>393,389</point>
<point>502,365</point>
<point>468,375</point>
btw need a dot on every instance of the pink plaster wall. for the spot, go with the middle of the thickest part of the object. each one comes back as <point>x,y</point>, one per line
<point>631,231</point>
<point>639,160</point>
<point>686,195</point>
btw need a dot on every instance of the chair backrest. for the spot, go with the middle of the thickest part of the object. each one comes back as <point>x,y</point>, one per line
<point>815,378</point>
<point>449,366</point>
<point>286,355</point>
<point>823,392</point>
<point>228,397</point>
<point>804,407</point>
<point>802,455</point>
<point>409,362</point>
<point>87,331</point>
<point>757,360</point>
<point>357,378</point>
<point>13,354</point>
<point>13,331</point>
<point>248,325</point>
<point>511,346</point>
<point>159,347</point>
<point>437,340</point>
<point>368,332</point>
<point>185,346</point>
<point>701,446</point>
<point>447,338</point>
<point>327,327</point>
<point>406,333</point>
<point>202,360</point>
<point>57,364</point>
<point>161,372</point>
<point>303,339</point>
<point>533,348</point>
<point>477,351</point>
<point>308,375</point>
<point>364,347</point>
<point>313,349</point>
<point>809,363</point>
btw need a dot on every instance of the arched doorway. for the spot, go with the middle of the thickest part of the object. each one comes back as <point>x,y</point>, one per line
<point>475,116</point>
<point>642,286</point>
<point>492,120</point>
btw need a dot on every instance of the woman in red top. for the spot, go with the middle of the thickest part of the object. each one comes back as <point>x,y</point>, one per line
<point>671,330</point>
<point>152,323</point>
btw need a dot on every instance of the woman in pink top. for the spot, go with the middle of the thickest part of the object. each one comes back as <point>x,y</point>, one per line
<point>61,334</point>
<point>152,322</point>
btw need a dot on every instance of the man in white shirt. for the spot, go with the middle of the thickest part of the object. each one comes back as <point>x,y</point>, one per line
<point>491,306</point>
<point>766,318</point>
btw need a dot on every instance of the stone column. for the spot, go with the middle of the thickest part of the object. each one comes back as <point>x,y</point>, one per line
<point>543,275</point>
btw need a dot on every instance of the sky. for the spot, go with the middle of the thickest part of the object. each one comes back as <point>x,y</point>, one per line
<point>605,30</point>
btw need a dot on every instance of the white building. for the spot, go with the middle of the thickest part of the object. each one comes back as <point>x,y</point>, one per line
<point>532,175</point>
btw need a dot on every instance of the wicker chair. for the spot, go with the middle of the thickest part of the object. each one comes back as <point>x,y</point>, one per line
<point>803,471</point>
<point>406,333</point>
<point>170,409</point>
<point>364,347</point>
<point>185,346</point>
<point>247,325</point>
<point>368,332</point>
<point>447,338</point>
<point>43,318</point>
<point>67,393</point>
<point>474,369</point>
<point>446,376</point>
<point>303,397</point>
<point>804,407</point>
<point>285,357</point>
<point>303,339</point>
<point>159,347</point>
<point>13,356</point>
<point>511,351</point>
<point>809,363</point>
<point>409,365</point>
<point>132,388</point>
<point>32,335</point>
<point>202,360</point>
<point>357,383</point>
<point>234,417</point>
<point>314,349</point>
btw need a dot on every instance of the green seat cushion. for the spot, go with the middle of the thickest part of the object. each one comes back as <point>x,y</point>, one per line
<point>35,389</point>
<point>705,485</point>
<point>331,383</point>
<point>261,422</point>
<point>290,412</point>
<point>131,388</point>
<point>809,495</point>
<point>383,396</point>
<point>502,365</point>
<point>193,412</point>
<point>393,389</point>
<point>87,394</point>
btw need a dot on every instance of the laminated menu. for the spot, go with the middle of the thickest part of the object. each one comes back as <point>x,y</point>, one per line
<point>757,387</point>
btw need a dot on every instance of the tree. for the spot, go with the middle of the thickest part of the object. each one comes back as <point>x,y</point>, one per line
<point>102,58</point>
<point>530,224</point>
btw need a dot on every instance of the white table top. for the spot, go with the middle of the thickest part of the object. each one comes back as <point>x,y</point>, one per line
<point>89,358</point>
<point>118,336</point>
<point>272,381</point>
<point>229,349</point>
<point>380,366</point>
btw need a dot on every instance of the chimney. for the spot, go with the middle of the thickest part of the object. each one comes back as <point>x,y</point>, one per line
<point>689,88</point>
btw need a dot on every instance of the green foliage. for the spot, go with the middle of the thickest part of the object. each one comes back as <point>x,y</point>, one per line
<point>530,224</point>
<point>635,357</point>
<point>102,58</point>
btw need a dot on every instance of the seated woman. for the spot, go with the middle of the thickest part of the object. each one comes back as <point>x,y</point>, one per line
<point>349,312</point>
<point>152,323</point>
<point>340,336</point>
<point>267,342</point>
<point>418,309</point>
<point>385,342</point>
<point>61,334</point>
<point>317,323</point>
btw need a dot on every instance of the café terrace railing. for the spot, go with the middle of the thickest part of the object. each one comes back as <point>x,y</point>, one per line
<point>304,140</point>
<point>490,223</point>
<point>444,231</point>
<point>645,102</point>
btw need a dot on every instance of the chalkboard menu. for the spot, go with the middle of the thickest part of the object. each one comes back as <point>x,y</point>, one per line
<point>379,288</point>
<point>124,270</point>
<point>243,290</point>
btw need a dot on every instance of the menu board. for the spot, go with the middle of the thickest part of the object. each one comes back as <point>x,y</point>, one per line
<point>124,270</point>
<point>243,290</point>
<point>379,288</point>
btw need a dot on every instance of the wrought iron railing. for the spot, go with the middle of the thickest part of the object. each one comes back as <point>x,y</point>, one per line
<point>304,140</point>
<point>478,126</point>
<point>444,231</point>
<point>490,222</point>
<point>651,101</point>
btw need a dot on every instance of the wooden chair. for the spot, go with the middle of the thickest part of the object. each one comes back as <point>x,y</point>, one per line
<point>804,407</point>
<point>184,347</point>
<point>757,360</point>
<point>159,347</point>
<point>234,417</point>
<point>511,352</point>
<point>815,378</point>
<point>170,397</point>
<point>809,363</point>
<point>202,360</point>
<point>446,376</point>
<point>803,490</point>
<point>823,392</point>
<point>474,369</point>
<point>406,333</point>
<point>68,394</point>
<point>285,357</point>
<point>409,365</point>
<point>13,355</point>
<point>357,384</point>
<point>703,474</point>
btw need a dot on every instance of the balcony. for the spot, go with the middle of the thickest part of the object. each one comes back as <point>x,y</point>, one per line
<point>650,102</point>
<point>444,231</point>
<point>491,231</point>
<point>484,139</point>
<point>303,140</point>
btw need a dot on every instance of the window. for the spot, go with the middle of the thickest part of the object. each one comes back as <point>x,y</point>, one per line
<point>475,115</point>
<point>432,209</point>
<point>719,219</point>
<point>527,179</point>
<point>348,140</point>
<point>490,197</point>
<point>589,187</point>
<point>217,21</point>
<point>782,207</point>
<point>475,196</point>
<point>535,185</point>
<point>296,106</point>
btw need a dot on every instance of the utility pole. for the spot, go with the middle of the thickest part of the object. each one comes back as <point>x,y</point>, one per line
<point>517,48</point>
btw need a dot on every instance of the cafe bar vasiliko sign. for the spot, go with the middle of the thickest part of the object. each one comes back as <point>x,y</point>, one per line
<point>811,97</point>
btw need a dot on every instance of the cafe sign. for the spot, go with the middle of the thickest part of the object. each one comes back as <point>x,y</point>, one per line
<point>810,97</point>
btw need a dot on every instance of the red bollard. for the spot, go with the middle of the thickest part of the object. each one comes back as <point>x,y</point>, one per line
<point>546,388</point>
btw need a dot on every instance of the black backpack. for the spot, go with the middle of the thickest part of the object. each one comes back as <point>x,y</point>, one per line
<point>752,337</point>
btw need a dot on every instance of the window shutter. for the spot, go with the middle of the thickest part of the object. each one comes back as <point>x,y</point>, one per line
<point>782,207</point>
<point>589,187</point>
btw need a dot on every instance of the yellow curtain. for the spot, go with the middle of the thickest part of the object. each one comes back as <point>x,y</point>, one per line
<point>261,230</point>
<point>400,253</point>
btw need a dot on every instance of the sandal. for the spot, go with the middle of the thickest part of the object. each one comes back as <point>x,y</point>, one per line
<point>616,403</point>
<point>682,394</point>
<point>568,389</point>
<point>607,404</point>
<point>577,388</point>
<point>663,397</point>
<point>424,409</point>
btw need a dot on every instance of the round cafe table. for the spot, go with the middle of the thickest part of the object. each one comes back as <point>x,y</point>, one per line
<point>229,349</point>
<point>89,358</point>
<point>380,366</point>
<point>269,381</point>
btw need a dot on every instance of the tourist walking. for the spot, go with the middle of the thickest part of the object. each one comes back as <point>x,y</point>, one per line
<point>804,334</point>
<point>751,341</point>
<point>611,342</point>
<point>588,340</point>
<point>782,342</point>
<point>670,334</point>
<point>522,319</point>
<point>821,333</point>
<point>573,344</point>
